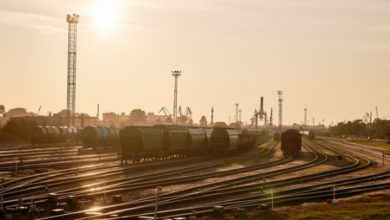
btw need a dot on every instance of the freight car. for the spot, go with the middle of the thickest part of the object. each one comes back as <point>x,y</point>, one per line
<point>197,140</point>
<point>140,143</point>
<point>161,142</point>
<point>291,142</point>
<point>224,140</point>
<point>246,140</point>
<point>166,141</point>
<point>96,136</point>
<point>53,135</point>
<point>277,136</point>
<point>309,134</point>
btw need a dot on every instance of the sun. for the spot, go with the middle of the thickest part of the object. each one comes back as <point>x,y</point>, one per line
<point>106,15</point>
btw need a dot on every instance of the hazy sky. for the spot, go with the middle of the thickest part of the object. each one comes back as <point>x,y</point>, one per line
<point>330,56</point>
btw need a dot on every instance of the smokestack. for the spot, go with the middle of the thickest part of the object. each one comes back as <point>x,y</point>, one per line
<point>261,107</point>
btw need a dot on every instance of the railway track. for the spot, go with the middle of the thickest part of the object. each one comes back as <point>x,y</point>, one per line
<point>239,192</point>
<point>320,158</point>
<point>315,192</point>
<point>36,185</point>
<point>221,192</point>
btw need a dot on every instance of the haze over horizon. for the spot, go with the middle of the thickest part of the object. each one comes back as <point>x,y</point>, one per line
<point>331,57</point>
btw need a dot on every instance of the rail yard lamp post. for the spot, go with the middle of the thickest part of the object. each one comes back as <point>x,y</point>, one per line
<point>2,199</point>
<point>159,189</point>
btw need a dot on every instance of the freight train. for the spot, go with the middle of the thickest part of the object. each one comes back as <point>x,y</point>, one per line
<point>99,136</point>
<point>309,134</point>
<point>291,142</point>
<point>54,135</point>
<point>277,136</point>
<point>165,141</point>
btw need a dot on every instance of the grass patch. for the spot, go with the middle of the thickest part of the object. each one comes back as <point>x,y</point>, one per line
<point>354,211</point>
<point>380,144</point>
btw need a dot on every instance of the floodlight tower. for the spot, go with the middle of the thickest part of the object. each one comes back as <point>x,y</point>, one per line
<point>72,20</point>
<point>176,74</point>
<point>280,94</point>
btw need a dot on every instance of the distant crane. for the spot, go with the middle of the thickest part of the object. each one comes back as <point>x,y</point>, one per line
<point>165,110</point>
<point>376,109</point>
<point>185,118</point>
<point>39,109</point>
<point>188,113</point>
<point>179,111</point>
<point>367,117</point>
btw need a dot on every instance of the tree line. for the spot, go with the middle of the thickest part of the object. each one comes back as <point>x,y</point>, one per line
<point>379,129</point>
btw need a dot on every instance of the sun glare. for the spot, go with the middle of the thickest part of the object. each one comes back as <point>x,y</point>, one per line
<point>106,15</point>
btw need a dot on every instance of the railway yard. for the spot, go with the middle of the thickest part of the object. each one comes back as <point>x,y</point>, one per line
<point>69,182</point>
<point>195,110</point>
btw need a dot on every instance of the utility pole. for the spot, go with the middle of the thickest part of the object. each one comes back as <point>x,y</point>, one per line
<point>280,93</point>
<point>305,119</point>
<point>237,105</point>
<point>239,115</point>
<point>72,20</point>
<point>261,108</point>
<point>376,109</point>
<point>313,122</point>
<point>271,118</point>
<point>159,189</point>
<point>97,113</point>
<point>176,74</point>
<point>212,116</point>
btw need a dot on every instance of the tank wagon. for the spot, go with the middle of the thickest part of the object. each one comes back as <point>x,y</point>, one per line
<point>95,136</point>
<point>291,142</point>
<point>53,135</point>
<point>165,141</point>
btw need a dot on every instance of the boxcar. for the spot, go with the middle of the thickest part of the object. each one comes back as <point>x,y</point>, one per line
<point>197,141</point>
<point>141,142</point>
<point>175,139</point>
<point>291,142</point>
<point>245,141</point>
<point>224,140</point>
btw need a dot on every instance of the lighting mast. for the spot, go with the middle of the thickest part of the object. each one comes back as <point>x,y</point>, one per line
<point>72,20</point>
<point>176,74</point>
